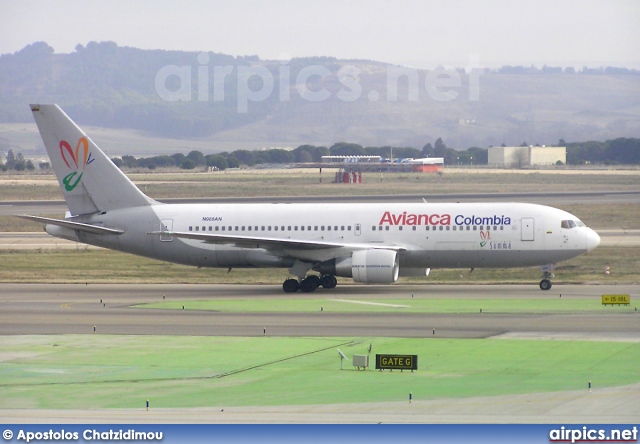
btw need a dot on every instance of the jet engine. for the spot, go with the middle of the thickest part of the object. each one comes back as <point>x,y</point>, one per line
<point>366,266</point>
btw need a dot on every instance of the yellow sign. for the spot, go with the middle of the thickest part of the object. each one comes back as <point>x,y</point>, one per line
<point>616,299</point>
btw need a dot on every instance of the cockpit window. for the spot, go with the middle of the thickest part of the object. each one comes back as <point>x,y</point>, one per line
<point>571,224</point>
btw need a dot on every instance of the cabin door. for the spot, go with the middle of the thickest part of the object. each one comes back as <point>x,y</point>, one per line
<point>528,229</point>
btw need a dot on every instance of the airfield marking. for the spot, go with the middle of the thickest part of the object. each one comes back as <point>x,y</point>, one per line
<point>369,303</point>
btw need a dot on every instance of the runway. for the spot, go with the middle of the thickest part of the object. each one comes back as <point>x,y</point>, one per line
<point>66,309</point>
<point>61,309</point>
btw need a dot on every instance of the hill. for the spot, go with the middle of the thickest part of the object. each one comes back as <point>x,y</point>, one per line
<point>245,102</point>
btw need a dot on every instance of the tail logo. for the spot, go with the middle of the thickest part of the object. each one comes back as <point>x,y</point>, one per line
<point>76,161</point>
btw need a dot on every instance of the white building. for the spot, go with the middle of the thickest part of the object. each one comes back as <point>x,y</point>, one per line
<point>520,156</point>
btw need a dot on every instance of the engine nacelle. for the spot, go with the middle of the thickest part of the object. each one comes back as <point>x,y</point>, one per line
<point>366,266</point>
<point>375,266</point>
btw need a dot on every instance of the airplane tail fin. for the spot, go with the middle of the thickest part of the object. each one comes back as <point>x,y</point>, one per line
<point>89,180</point>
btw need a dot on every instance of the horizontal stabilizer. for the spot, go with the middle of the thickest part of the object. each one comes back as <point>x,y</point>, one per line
<point>87,228</point>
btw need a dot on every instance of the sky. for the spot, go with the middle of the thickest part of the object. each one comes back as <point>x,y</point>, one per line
<point>416,33</point>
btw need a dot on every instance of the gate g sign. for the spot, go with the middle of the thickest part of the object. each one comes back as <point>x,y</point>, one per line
<point>396,362</point>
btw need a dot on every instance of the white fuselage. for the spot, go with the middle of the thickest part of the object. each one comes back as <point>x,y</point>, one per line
<point>453,235</point>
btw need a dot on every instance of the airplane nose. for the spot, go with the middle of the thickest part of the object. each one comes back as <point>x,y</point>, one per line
<point>593,240</point>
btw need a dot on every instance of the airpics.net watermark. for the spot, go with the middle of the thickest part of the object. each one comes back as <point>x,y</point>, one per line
<point>257,83</point>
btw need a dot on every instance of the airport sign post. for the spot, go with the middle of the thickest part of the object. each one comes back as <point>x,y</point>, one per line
<point>616,299</point>
<point>397,362</point>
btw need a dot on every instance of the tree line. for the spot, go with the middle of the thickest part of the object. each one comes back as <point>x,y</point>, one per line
<point>301,154</point>
<point>620,151</point>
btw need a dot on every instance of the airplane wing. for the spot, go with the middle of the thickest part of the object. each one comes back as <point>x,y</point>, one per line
<point>88,228</point>
<point>274,243</point>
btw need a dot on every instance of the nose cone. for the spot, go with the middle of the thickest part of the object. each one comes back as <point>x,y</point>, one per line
<point>593,240</point>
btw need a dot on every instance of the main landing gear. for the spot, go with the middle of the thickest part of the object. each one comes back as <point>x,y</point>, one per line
<point>310,283</point>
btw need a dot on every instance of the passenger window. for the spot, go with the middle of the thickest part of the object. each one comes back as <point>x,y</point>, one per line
<point>191,228</point>
<point>400,228</point>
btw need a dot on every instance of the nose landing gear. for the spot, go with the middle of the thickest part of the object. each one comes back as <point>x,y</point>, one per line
<point>547,274</point>
<point>545,284</point>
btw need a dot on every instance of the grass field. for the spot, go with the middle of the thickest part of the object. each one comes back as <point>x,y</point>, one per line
<point>94,371</point>
<point>543,304</point>
<point>274,183</point>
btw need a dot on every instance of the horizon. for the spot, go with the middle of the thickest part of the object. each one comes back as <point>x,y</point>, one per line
<point>420,34</point>
<point>459,65</point>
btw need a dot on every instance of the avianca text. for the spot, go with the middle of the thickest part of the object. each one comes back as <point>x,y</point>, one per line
<point>405,218</point>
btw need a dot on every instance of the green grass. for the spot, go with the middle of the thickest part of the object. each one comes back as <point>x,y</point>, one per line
<point>329,304</point>
<point>94,371</point>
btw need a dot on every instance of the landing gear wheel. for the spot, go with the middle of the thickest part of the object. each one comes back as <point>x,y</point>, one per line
<point>328,281</point>
<point>310,283</point>
<point>545,284</point>
<point>290,286</point>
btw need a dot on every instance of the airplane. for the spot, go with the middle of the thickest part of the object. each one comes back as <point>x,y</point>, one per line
<point>372,243</point>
